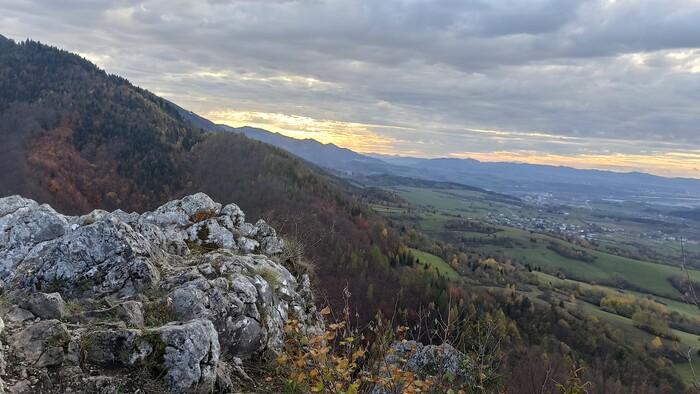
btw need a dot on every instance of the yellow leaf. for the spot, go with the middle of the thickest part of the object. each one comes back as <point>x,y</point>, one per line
<point>326,311</point>
<point>358,354</point>
<point>301,377</point>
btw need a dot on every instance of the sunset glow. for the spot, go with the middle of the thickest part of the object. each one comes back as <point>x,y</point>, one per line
<point>669,164</point>
<point>354,136</point>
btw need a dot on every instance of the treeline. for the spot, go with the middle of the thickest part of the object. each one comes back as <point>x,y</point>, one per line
<point>474,226</point>
<point>571,253</point>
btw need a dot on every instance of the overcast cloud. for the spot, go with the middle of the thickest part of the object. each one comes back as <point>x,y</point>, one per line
<point>605,83</point>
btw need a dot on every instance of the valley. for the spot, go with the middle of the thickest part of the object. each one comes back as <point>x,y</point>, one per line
<point>624,251</point>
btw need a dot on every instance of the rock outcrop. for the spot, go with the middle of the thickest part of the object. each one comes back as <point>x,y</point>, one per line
<point>185,292</point>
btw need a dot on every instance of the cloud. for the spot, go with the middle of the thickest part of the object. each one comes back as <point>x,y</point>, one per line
<point>561,77</point>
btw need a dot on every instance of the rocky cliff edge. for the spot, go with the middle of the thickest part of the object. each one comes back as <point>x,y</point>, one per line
<point>170,300</point>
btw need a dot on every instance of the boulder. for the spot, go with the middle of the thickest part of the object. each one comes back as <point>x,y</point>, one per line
<point>26,228</point>
<point>196,207</point>
<point>18,315</point>
<point>427,359</point>
<point>41,344</point>
<point>190,353</point>
<point>235,213</point>
<point>46,305</point>
<point>113,346</point>
<point>107,258</point>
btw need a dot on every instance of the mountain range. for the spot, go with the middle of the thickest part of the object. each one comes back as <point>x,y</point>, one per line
<point>517,179</point>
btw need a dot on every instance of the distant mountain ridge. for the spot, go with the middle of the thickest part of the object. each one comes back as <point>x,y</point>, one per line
<point>329,156</point>
<point>503,177</point>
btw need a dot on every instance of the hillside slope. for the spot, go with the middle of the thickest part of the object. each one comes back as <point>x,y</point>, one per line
<point>75,137</point>
<point>79,138</point>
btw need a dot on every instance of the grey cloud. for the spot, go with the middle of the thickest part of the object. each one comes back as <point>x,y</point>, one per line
<point>436,68</point>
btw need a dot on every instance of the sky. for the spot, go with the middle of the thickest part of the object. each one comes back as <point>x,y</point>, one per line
<point>607,84</point>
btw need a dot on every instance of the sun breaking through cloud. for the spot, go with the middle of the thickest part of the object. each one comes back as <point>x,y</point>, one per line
<point>355,136</point>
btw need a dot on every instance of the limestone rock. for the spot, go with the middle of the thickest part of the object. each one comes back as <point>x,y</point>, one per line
<point>195,207</point>
<point>105,259</point>
<point>234,213</point>
<point>211,232</point>
<point>192,267</point>
<point>248,301</point>
<point>18,315</point>
<point>25,227</point>
<point>46,305</point>
<point>428,359</point>
<point>190,355</point>
<point>248,245</point>
<point>41,344</point>
<point>112,346</point>
<point>130,312</point>
<point>21,387</point>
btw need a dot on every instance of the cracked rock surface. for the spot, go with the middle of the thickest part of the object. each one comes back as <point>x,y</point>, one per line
<point>183,293</point>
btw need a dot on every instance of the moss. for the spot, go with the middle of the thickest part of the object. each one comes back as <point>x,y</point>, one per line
<point>86,283</point>
<point>89,220</point>
<point>5,304</point>
<point>57,340</point>
<point>154,292</point>
<point>197,249</point>
<point>73,307</point>
<point>155,362</point>
<point>53,286</point>
<point>203,233</point>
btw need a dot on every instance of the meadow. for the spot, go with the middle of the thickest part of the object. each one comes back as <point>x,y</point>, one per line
<point>539,237</point>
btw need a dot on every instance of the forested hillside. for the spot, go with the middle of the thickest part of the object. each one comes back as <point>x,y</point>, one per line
<point>75,137</point>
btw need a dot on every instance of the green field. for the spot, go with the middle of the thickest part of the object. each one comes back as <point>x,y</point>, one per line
<point>632,333</point>
<point>432,209</point>
<point>435,261</point>
<point>645,276</point>
<point>439,206</point>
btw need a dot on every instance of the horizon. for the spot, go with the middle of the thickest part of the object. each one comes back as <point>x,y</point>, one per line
<point>381,155</point>
<point>607,85</point>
